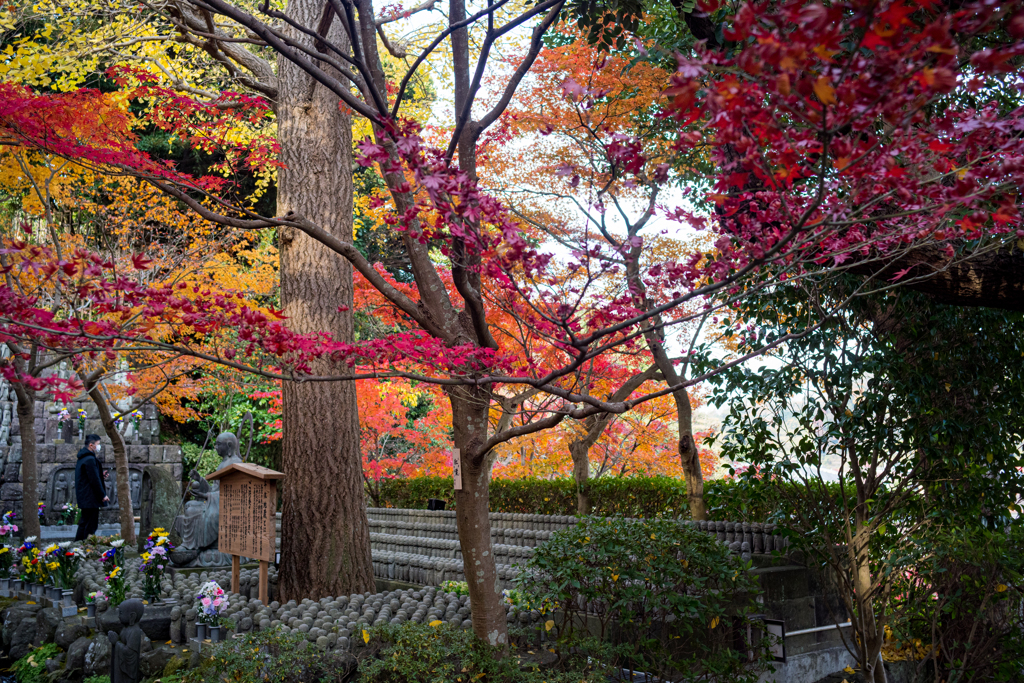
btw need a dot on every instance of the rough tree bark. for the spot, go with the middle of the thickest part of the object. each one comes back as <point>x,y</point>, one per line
<point>325,537</point>
<point>126,514</point>
<point>29,467</point>
<point>470,407</point>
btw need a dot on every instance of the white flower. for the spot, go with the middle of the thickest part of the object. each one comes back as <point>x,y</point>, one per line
<point>65,545</point>
<point>30,539</point>
<point>118,543</point>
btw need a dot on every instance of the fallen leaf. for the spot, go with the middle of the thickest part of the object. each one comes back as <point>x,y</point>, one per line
<point>549,624</point>
<point>366,636</point>
<point>436,622</point>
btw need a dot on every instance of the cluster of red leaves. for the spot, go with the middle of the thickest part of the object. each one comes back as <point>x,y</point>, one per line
<point>454,203</point>
<point>94,128</point>
<point>852,130</point>
<point>452,212</point>
<point>827,152</point>
<point>104,309</point>
<point>213,126</point>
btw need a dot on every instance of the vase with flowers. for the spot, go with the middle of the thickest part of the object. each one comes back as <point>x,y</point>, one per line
<point>113,562</point>
<point>154,562</point>
<point>92,600</point>
<point>210,604</point>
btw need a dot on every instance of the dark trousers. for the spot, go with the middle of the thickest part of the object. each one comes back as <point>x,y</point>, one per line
<point>88,523</point>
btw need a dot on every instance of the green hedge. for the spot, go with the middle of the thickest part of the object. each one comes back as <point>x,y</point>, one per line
<point>628,496</point>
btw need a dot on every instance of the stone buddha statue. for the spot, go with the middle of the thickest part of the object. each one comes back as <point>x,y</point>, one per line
<point>199,523</point>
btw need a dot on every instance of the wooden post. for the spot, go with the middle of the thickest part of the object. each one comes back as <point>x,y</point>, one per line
<point>235,568</point>
<point>264,587</point>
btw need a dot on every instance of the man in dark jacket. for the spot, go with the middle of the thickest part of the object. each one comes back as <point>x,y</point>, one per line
<point>89,489</point>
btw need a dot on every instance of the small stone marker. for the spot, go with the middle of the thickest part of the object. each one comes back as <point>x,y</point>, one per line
<point>457,468</point>
<point>248,501</point>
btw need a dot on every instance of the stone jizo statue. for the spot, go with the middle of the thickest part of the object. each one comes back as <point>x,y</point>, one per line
<point>60,492</point>
<point>199,524</point>
<point>126,650</point>
<point>135,485</point>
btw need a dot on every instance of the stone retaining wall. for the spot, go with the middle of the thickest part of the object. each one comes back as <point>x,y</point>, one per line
<point>56,454</point>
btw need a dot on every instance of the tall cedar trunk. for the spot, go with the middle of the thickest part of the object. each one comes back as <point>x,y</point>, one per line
<point>29,466</point>
<point>126,515</point>
<point>325,536</point>
<point>469,422</point>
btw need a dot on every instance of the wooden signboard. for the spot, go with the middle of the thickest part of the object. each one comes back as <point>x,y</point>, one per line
<point>248,501</point>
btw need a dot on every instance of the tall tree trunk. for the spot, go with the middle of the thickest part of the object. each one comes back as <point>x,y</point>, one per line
<point>325,536</point>
<point>29,467</point>
<point>654,335</point>
<point>470,422</point>
<point>594,427</point>
<point>872,631</point>
<point>126,514</point>
<point>579,449</point>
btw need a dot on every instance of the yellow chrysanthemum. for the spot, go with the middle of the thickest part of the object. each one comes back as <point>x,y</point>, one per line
<point>113,574</point>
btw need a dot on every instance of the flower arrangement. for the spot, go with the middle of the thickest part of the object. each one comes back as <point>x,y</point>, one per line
<point>94,597</point>
<point>7,526</point>
<point>63,417</point>
<point>113,561</point>
<point>27,559</point>
<point>81,420</point>
<point>50,561</point>
<point>117,586</point>
<point>114,556</point>
<point>6,561</point>
<point>211,603</point>
<point>7,531</point>
<point>132,417</point>
<point>69,559</point>
<point>68,514</point>
<point>458,587</point>
<point>154,561</point>
<point>42,511</point>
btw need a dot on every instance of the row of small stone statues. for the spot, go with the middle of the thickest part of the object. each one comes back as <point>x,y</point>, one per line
<point>438,547</point>
<point>525,537</point>
<point>759,538</point>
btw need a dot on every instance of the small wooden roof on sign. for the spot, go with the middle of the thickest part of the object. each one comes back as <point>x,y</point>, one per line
<point>252,470</point>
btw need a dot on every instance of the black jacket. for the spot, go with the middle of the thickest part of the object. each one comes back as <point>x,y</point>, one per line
<point>89,480</point>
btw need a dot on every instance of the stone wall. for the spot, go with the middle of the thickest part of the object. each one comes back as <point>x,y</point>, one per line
<point>57,450</point>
